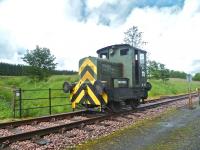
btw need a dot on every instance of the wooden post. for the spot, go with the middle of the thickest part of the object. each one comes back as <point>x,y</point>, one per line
<point>190,105</point>
<point>190,101</point>
<point>198,90</point>
<point>189,79</point>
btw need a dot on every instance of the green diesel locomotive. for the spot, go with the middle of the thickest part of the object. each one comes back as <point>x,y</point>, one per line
<point>116,77</point>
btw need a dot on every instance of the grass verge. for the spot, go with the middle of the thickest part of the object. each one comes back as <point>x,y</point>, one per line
<point>172,87</point>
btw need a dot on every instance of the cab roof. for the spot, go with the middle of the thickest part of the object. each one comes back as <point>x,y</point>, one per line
<point>116,46</point>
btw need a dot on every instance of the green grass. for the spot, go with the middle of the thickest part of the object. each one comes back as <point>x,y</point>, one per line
<point>172,87</point>
<point>25,83</point>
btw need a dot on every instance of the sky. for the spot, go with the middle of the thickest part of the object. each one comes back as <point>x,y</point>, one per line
<point>73,29</point>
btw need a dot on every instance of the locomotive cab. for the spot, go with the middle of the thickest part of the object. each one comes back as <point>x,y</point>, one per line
<point>133,61</point>
<point>116,77</point>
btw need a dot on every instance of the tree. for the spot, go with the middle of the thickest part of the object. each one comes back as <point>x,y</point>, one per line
<point>177,74</point>
<point>133,37</point>
<point>157,71</point>
<point>41,62</point>
<point>196,77</point>
<point>164,73</point>
<point>153,70</point>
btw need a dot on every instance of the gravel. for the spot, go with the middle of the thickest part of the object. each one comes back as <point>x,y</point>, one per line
<point>46,124</point>
<point>70,138</point>
<point>78,118</point>
<point>24,145</point>
<point>26,128</point>
<point>65,121</point>
<point>5,132</point>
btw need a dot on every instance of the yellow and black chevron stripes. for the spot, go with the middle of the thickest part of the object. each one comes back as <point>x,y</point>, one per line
<point>98,99</point>
<point>88,62</point>
<point>86,77</point>
<point>84,91</point>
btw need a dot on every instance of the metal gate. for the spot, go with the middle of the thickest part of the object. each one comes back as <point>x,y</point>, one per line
<point>37,102</point>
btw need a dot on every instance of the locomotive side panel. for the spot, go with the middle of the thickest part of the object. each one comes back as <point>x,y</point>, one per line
<point>107,71</point>
<point>124,55</point>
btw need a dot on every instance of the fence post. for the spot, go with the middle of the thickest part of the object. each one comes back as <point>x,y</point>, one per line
<point>50,101</point>
<point>14,101</point>
<point>20,102</point>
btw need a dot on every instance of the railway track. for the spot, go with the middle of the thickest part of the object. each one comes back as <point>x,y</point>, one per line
<point>69,115</point>
<point>41,119</point>
<point>168,97</point>
<point>63,122</point>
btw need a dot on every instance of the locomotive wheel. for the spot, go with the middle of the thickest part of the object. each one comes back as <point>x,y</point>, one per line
<point>115,106</point>
<point>134,103</point>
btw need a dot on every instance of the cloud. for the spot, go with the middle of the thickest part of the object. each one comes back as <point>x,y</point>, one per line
<point>79,9</point>
<point>5,46</point>
<point>53,26</point>
<point>76,29</point>
<point>160,3</point>
<point>196,62</point>
<point>172,33</point>
<point>8,47</point>
<point>114,12</point>
<point>24,24</point>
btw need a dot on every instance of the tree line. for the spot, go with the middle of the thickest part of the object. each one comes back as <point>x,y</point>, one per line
<point>12,69</point>
<point>156,70</point>
<point>7,69</point>
<point>196,77</point>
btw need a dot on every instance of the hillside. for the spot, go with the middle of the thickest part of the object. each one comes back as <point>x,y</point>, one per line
<point>172,87</point>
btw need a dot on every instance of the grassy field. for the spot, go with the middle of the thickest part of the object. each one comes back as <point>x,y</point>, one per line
<point>54,82</point>
<point>172,87</point>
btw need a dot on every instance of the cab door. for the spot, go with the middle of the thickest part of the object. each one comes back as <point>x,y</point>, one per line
<point>142,66</point>
<point>136,68</point>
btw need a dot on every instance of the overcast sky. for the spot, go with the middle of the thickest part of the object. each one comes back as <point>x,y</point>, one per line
<point>73,29</point>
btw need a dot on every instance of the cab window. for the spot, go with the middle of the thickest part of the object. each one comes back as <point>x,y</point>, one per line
<point>104,55</point>
<point>123,52</point>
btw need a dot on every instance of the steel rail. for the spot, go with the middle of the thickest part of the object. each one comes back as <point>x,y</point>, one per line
<point>168,97</point>
<point>45,131</point>
<point>162,102</point>
<point>75,124</point>
<point>41,119</point>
